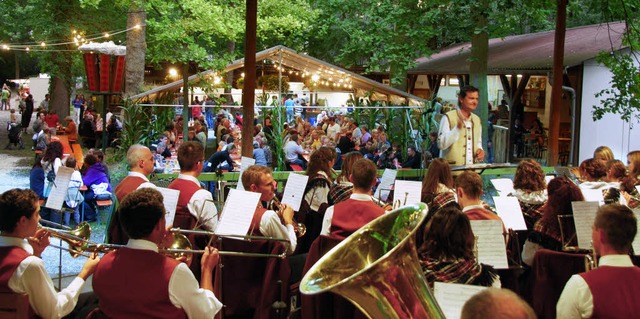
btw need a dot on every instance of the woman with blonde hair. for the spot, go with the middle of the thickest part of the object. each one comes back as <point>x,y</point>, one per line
<point>531,190</point>
<point>633,162</point>
<point>603,153</point>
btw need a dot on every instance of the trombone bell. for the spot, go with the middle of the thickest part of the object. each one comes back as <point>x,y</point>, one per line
<point>382,277</point>
<point>75,238</point>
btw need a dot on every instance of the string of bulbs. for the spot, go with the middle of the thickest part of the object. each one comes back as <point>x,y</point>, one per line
<point>78,39</point>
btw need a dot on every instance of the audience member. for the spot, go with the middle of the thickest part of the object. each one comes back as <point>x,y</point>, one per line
<point>98,186</point>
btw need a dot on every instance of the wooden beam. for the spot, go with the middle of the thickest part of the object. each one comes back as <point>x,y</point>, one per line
<point>249,89</point>
<point>556,88</point>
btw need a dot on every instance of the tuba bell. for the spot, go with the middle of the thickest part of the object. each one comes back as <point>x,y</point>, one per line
<point>377,269</point>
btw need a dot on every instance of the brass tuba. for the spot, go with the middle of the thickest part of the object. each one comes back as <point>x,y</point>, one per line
<point>377,269</point>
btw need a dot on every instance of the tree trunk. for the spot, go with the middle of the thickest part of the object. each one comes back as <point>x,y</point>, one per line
<point>478,69</point>
<point>249,90</point>
<point>60,97</point>
<point>136,50</point>
<point>186,101</point>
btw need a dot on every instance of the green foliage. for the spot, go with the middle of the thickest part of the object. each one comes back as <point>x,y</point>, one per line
<point>136,128</point>
<point>271,83</point>
<point>276,138</point>
<point>623,96</point>
<point>284,22</point>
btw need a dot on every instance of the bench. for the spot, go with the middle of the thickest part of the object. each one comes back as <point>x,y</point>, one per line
<point>102,205</point>
<point>296,167</point>
<point>78,154</point>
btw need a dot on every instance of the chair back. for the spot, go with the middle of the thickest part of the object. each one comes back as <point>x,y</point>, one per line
<point>250,286</point>
<point>14,306</point>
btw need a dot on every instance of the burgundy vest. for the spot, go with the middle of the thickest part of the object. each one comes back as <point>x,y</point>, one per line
<point>134,283</point>
<point>615,291</point>
<point>255,222</point>
<point>183,218</point>
<point>10,259</point>
<point>350,215</point>
<point>128,185</point>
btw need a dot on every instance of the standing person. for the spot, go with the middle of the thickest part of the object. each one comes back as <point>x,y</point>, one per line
<point>346,217</point>
<point>195,204</point>
<point>157,286</point>
<point>28,111</point>
<point>6,93</point>
<point>460,136</point>
<point>21,268</point>
<point>613,289</point>
<point>77,105</point>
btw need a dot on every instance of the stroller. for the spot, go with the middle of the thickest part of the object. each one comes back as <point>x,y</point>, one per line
<point>15,135</point>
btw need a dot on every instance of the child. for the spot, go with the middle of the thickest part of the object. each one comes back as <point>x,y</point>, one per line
<point>14,117</point>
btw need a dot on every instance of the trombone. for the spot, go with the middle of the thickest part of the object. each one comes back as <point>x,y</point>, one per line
<point>210,233</point>
<point>75,238</point>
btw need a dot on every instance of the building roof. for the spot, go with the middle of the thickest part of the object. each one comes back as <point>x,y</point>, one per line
<point>528,53</point>
<point>301,62</point>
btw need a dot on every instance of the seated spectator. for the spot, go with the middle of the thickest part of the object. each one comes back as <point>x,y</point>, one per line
<point>88,131</point>
<point>98,187</point>
<point>415,159</point>
<point>71,129</point>
<point>258,154</point>
<point>294,152</point>
<point>446,254</point>
<point>36,177</point>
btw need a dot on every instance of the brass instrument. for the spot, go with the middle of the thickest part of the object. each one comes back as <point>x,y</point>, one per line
<point>397,204</point>
<point>210,233</point>
<point>591,260</point>
<point>383,277</point>
<point>299,228</point>
<point>381,203</point>
<point>75,238</point>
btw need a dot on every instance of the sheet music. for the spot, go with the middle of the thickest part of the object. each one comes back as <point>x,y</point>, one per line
<point>509,210</point>
<point>638,188</point>
<point>238,212</point>
<point>636,241</point>
<point>593,195</point>
<point>170,203</point>
<point>548,178</point>
<point>584,213</point>
<point>492,249</point>
<point>59,188</point>
<point>411,190</point>
<point>504,186</point>
<point>388,177</point>
<point>451,297</point>
<point>245,162</point>
<point>294,190</point>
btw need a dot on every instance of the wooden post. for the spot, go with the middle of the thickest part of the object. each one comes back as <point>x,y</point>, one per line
<point>249,89</point>
<point>556,91</point>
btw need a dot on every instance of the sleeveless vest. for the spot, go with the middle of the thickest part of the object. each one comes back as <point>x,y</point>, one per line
<point>128,185</point>
<point>350,215</point>
<point>134,283</point>
<point>184,219</point>
<point>10,259</point>
<point>615,291</point>
<point>457,151</point>
<point>255,222</point>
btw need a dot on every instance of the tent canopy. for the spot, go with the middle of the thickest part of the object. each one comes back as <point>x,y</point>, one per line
<point>342,79</point>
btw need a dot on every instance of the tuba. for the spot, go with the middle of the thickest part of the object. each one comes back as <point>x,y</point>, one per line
<point>377,269</point>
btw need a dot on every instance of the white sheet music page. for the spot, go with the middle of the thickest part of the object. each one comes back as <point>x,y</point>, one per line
<point>638,188</point>
<point>170,203</point>
<point>504,186</point>
<point>245,162</point>
<point>294,190</point>
<point>593,195</point>
<point>584,213</point>
<point>636,241</point>
<point>492,249</point>
<point>238,213</point>
<point>59,188</point>
<point>388,177</point>
<point>451,297</point>
<point>407,192</point>
<point>509,210</point>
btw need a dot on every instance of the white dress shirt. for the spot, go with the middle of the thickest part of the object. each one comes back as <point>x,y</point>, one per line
<point>576,300</point>
<point>146,184</point>
<point>184,289</point>
<point>271,226</point>
<point>31,278</point>
<point>333,130</point>
<point>201,205</point>
<point>447,136</point>
<point>328,214</point>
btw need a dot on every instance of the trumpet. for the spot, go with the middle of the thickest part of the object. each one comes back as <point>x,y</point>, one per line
<point>75,238</point>
<point>299,228</point>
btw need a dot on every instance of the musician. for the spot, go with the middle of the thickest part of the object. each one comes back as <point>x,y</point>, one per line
<point>497,304</point>
<point>266,222</point>
<point>344,218</point>
<point>530,188</point>
<point>138,282</point>
<point>22,270</point>
<point>460,136</point>
<point>469,191</point>
<point>612,290</point>
<point>195,204</point>
<point>141,162</point>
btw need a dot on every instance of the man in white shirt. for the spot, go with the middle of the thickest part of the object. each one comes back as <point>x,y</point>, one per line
<point>333,129</point>
<point>293,151</point>
<point>21,245</point>
<point>613,289</point>
<point>157,286</point>
<point>460,135</point>
<point>266,222</point>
